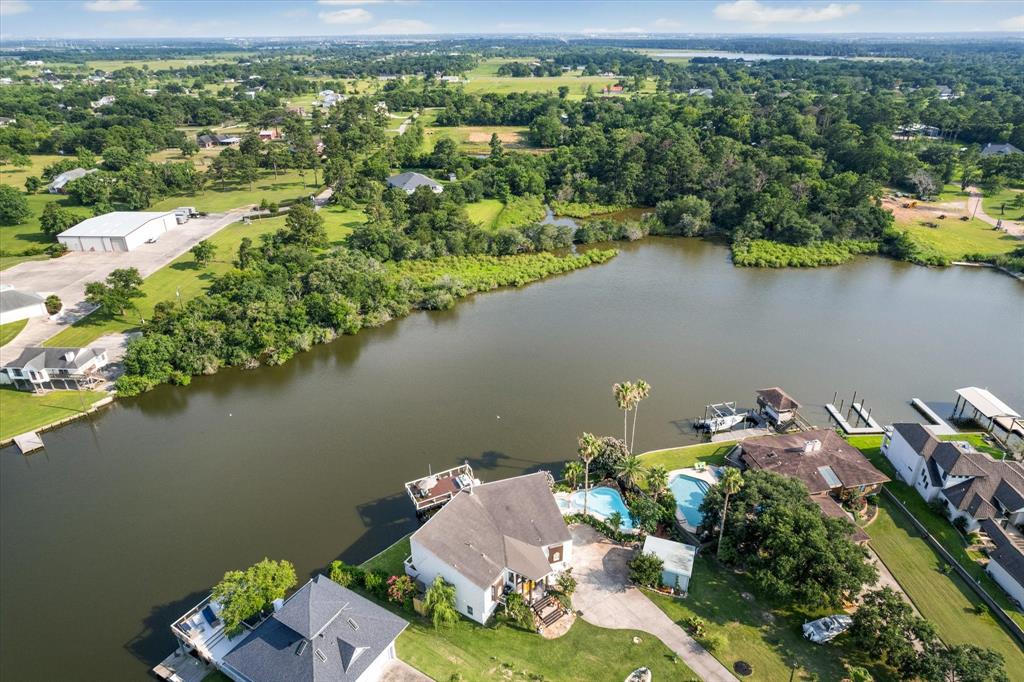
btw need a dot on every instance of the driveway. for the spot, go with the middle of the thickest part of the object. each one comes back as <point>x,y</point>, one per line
<point>67,276</point>
<point>606,599</point>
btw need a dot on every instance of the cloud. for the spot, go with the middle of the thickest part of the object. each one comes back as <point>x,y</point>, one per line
<point>1013,23</point>
<point>356,15</point>
<point>752,11</point>
<point>395,27</point>
<point>8,8</point>
<point>666,24</point>
<point>113,5</point>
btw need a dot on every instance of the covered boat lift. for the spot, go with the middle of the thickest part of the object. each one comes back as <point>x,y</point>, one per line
<point>988,411</point>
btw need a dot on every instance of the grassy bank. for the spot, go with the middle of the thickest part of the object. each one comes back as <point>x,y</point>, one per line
<point>10,330</point>
<point>688,455</point>
<point>954,239</point>
<point>761,253</point>
<point>574,209</point>
<point>24,411</point>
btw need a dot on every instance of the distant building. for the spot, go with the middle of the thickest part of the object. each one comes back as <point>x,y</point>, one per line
<point>1006,558</point>
<point>208,141</point>
<point>5,121</point>
<point>701,92</point>
<point>918,130</point>
<point>268,134</point>
<point>117,231</point>
<point>150,92</point>
<point>60,182</point>
<point>20,305</point>
<point>409,182</point>
<point>994,149</point>
<point>611,90</point>
<point>33,62</point>
<point>103,101</point>
<point>946,93</point>
<point>39,368</point>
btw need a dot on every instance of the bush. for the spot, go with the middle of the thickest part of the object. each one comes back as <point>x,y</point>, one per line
<point>696,626</point>
<point>345,574</point>
<point>960,523</point>
<point>761,253</point>
<point>128,385</point>
<point>645,569</point>
<point>53,304</point>
<point>375,582</point>
<point>518,612</point>
<point>400,589</point>
<point>602,527</point>
<point>575,209</point>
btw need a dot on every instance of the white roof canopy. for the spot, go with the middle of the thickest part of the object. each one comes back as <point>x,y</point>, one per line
<point>677,557</point>
<point>985,403</point>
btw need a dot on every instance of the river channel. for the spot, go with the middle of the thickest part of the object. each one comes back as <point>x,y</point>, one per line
<point>126,519</point>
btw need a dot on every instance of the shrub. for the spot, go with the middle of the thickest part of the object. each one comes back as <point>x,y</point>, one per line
<point>400,589</point>
<point>761,253</point>
<point>939,507</point>
<point>960,523</point>
<point>518,612</point>
<point>713,641</point>
<point>645,569</point>
<point>53,304</point>
<point>375,582</point>
<point>345,574</point>
<point>128,385</point>
<point>696,626</point>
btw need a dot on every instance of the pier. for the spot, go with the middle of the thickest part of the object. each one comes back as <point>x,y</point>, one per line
<point>936,424</point>
<point>872,427</point>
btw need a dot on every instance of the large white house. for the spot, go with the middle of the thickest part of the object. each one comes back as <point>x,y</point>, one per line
<point>973,486</point>
<point>493,539</point>
<point>39,368</point>
<point>1006,558</point>
<point>118,230</point>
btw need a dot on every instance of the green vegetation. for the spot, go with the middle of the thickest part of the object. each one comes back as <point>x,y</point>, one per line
<point>391,559</point>
<point>583,210</point>
<point>1004,204</point>
<point>761,253</point>
<point>520,211</point>
<point>25,411</point>
<point>485,212</point>
<point>10,330</point>
<point>956,239</point>
<point>688,455</point>
<point>288,185</point>
<point>482,273</point>
<point>244,594</point>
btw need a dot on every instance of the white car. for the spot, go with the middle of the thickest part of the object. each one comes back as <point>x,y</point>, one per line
<point>828,628</point>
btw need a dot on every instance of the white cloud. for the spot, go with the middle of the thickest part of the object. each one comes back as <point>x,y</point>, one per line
<point>1014,23</point>
<point>8,8</point>
<point>356,15</point>
<point>113,5</point>
<point>400,27</point>
<point>752,11</point>
<point>666,24</point>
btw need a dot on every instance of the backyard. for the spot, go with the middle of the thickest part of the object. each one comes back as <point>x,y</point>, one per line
<point>24,411</point>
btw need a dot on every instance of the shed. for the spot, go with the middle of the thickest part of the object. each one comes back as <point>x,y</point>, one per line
<point>117,231</point>
<point>677,558</point>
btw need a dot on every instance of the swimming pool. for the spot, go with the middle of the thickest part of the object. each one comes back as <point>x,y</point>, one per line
<point>689,493</point>
<point>604,501</point>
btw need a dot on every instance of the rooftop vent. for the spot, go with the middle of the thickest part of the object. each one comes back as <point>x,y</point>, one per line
<point>319,654</point>
<point>69,356</point>
<point>812,446</point>
<point>302,647</point>
<point>352,624</point>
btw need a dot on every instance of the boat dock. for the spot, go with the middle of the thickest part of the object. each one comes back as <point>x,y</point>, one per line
<point>435,490</point>
<point>936,424</point>
<point>741,434</point>
<point>183,667</point>
<point>872,427</point>
<point>28,442</point>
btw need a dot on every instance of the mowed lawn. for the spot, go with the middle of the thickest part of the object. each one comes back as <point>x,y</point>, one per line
<point>24,411</point>
<point>998,205</point>
<point>688,455</point>
<point>219,197</point>
<point>485,212</point>
<point>484,78</point>
<point>183,276</point>
<point>10,330</point>
<point>955,238</point>
<point>15,239</point>
<point>477,139</point>
<point>9,175</point>
<point>958,614</point>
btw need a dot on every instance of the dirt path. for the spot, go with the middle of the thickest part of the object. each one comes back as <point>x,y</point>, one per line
<point>976,208</point>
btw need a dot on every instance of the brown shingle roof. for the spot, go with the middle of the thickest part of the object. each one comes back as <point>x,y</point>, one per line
<point>777,398</point>
<point>830,507</point>
<point>786,455</point>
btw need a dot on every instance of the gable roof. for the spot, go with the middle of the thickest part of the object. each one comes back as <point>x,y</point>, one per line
<point>67,176</point>
<point>494,526</point>
<point>820,469</point>
<point>777,398</point>
<point>355,633</point>
<point>410,181</point>
<point>13,299</point>
<point>38,358</point>
<point>1008,552</point>
<point>113,224</point>
<point>995,149</point>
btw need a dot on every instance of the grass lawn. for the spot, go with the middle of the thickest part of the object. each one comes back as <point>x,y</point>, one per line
<point>23,411</point>
<point>687,456</point>
<point>11,261</point>
<point>200,160</point>
<point>15,239</point>
<point>955,238</point>
<point>520,211</point>
<point>485,78</point>
<point>485,212</point>
<point>758,632</point>
<point>10,330</point>
<point>945,600</point>
<point>9,175</point>
<point>215,198</point>
<point>992,204</point>
<point>476,139</point>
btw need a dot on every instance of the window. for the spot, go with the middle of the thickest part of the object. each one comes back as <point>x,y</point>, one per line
<point>469,609</point>
<point>554,554</point>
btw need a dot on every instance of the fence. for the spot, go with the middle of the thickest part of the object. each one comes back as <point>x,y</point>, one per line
<point>997,610</point>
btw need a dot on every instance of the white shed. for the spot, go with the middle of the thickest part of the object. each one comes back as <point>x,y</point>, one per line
<point>20,305</point>
<point>677,559</point>
<point>117,231</point>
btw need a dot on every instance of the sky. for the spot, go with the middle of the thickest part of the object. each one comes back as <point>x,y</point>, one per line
<point>23,19</point>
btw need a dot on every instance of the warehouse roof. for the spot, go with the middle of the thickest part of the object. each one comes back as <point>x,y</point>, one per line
<point>115,224</point>
<point>12,299</point>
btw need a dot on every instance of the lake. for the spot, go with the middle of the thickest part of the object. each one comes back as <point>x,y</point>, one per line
<point>127,519</point>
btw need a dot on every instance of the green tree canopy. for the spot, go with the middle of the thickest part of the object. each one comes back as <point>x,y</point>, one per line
<point>243,594</point>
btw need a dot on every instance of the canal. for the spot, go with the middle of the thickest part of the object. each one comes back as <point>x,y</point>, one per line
<point>125,520</point>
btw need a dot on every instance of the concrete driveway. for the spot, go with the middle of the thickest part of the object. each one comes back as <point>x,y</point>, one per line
<point>606,599</point>
<point>67,276</point>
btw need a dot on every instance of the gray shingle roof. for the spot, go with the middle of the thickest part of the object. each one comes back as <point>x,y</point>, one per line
<point>915,434</point>
<point>37,358</point>
<point>994,149</point>
<point>496,526</point>
<point>410,181</point>
<point>341,650</point>
<point>1007,553</point>
<point>12,299</point>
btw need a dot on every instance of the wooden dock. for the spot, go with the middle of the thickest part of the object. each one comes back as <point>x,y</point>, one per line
<point>28,442</point>
<point>740,434</point>
<point>936,424</point>
<point>872,427</point>
<point>181,666</point>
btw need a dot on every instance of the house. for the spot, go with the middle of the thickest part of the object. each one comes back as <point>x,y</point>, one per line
<point>322,632</point>
<point>776,405</point>
<point>450,79</point>
<point>39,368</point>
<point>611,90</point>
<point>5,121</point>
<point>33,62</point>
<point>1006,558</point>
<point>118,230</point>
<point>251,94</point>
<point>820,458</point>
<point>151,92</point>
<point>6,80</point>
<point>701,92</point>
<point>493,539</point>
<point>972,485</point>
<point>918,130</point>
<point>20,305</point>
<point>946,93</point>
<point>61,181</point>
<point>677,561</point>
<point>206,141</point>
<point>997,149</point>
<point>103,101</point>
<point>268,134</point>
<point>409,182</point>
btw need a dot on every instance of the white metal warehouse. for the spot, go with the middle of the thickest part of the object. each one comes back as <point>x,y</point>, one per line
<point>117,231</point>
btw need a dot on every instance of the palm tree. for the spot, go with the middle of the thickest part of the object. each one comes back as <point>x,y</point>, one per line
<point>731,483</point>
<point>572,472</point>
<point>624,399</point>
<point>641,389</point>
<point>657,481</point>
<point>630,471</point>
<point>588,447</point>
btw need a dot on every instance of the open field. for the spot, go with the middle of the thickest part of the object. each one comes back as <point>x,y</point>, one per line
<point>216,197</point>
<point>9,175</point>
<point>484,78</point>
<point>15,239</point>
<point>688,455</point>
<point>200,160</point>
<point>10,330</point>
<point>24,411</point>
<point>952,237</point>
<point>476,139</point>
<point>998,205</point>
<point>485,212</point>
<point>182,277</point>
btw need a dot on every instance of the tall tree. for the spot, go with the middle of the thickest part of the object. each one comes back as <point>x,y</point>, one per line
<point>630,472</point>
<point>641,389</point>
<point>731,483</point>
<point>623,393</point>
<point>243,594</point>
<point>587,448</point>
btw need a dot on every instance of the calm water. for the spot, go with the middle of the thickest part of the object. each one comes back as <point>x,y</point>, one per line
<point>126,520</point>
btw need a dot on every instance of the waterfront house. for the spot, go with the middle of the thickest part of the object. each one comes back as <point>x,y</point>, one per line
<point>777,406</point>
<point>972,485</point>
<point>39,368</point>
<point>1005,557</point>
<point>322,632</point>
<point>493,539</point>
<point>677,561</point>
<point>410,182</point>
<point>60,182</point>
<point>20,305</point>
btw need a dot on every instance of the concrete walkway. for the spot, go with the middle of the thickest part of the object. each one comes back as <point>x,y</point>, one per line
<point>605,599</point>
<point>67,276</point>
<point>400,671</point>
<point>977,209</point>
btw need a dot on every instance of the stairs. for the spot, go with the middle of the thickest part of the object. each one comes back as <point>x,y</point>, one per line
<point>548,610</point>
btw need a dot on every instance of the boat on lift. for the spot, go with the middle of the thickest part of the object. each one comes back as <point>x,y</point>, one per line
<point>721,417</point>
